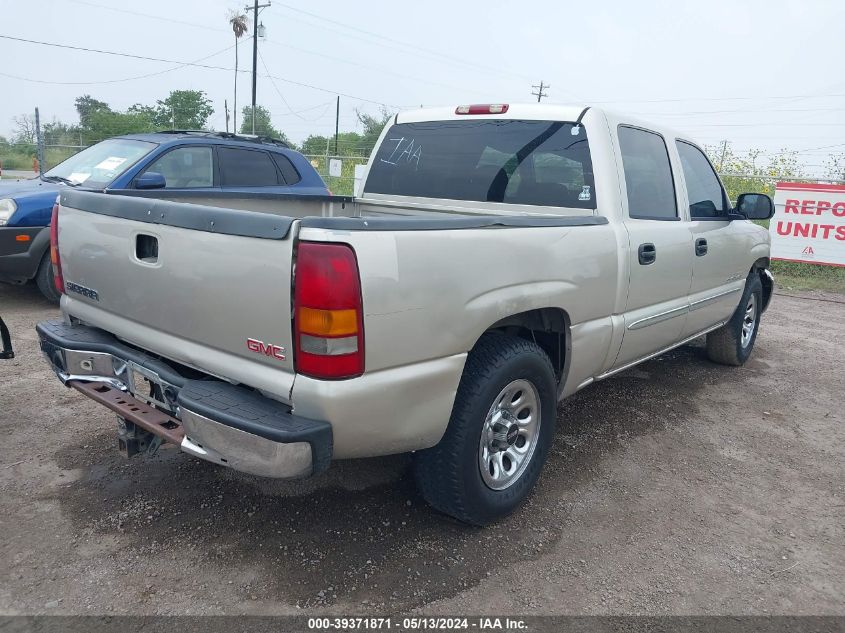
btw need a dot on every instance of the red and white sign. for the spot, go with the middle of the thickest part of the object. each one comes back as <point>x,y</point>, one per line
<point>809,223</point>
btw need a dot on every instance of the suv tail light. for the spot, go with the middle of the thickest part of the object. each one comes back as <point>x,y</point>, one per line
<point>328,317</point>
<point>58,280</point>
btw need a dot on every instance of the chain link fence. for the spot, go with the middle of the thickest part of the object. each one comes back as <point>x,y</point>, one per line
<point>344,184</point>
<point>23,156</point>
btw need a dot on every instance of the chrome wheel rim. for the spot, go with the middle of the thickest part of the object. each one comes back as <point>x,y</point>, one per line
<point>509,435</point>
<point>749,321</point>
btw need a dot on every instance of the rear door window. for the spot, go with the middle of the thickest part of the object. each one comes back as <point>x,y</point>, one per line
<point>246,168</point>
<point>648,175</point>
<point>544,163</point>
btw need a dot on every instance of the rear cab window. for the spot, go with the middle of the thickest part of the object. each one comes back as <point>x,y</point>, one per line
<point>648,175</point>
<point>542,163</point>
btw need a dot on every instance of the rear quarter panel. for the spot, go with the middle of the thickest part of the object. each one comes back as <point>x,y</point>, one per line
<point>432,294</point>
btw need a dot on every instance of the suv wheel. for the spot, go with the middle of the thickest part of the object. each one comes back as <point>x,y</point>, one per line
<point>44,279</point>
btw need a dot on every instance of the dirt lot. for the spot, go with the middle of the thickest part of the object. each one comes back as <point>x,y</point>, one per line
<point>677,487</point>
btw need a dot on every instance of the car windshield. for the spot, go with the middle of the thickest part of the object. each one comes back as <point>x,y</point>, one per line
<point>99,164</point>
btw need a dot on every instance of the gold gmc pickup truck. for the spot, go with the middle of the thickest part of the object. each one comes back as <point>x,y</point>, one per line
<point>498,259</point>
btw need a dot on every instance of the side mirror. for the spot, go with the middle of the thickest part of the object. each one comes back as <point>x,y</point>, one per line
<point>150,180</point>
<point>755,206</point>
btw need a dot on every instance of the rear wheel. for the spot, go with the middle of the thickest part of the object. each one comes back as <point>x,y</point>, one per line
<point>498,436</point>
<point>44,279</point>
<point>732,343</point>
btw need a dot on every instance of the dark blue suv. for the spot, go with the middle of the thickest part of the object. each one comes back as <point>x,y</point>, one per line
<point>178,161</point>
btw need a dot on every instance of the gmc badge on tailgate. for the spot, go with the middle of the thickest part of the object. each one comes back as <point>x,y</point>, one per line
<point>268,349</point>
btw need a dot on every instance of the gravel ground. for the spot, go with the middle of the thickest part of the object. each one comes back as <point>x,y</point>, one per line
<point>678,487</point>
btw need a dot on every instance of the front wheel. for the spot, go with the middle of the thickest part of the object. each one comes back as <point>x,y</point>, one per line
<point>732,343</point>
<point>498,436</point>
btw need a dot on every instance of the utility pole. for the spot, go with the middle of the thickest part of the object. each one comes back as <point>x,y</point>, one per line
<point>540,94</point>
<point>254,8</point>
<point>39,147</point>
<point>226,110</point>
<point>724,151</point>
<point>336,124</point>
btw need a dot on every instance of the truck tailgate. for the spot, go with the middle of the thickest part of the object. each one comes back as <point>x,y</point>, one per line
<point>209,288</point>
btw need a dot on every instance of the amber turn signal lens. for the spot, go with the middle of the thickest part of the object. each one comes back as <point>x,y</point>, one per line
<point>22,238</point>
<point>327,322</point>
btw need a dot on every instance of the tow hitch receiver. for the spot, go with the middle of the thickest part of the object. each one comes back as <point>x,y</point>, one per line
<point>132,439</point>
<point>141,428</point>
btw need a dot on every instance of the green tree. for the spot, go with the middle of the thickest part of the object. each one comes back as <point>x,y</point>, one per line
<point>104,124</point>
<point>754,171</point>
<point>835,167</point>
<point>86,105</point>
<point>263,124</point>
<point>350,143</point>
<point>24,129</point>
<point>148,111</point>
<point>183,110</point>
<point>314,144</point>
<point>373,125</point>
<point>58,133</point>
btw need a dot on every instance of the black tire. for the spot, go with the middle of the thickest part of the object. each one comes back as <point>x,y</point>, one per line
<point>726,345</point>
<point>44,279</point>
<point>449,474</point>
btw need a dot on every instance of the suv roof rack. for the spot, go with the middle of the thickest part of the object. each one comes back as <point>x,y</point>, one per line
<point>249,138</point>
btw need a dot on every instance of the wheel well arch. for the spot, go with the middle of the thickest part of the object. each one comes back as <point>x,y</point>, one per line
<point>759,266</point>
<point>547,327</point>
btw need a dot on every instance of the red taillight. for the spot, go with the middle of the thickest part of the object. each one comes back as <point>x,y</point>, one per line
<point>482,108</point>
<point>328,317</point>
<point>58,280</point>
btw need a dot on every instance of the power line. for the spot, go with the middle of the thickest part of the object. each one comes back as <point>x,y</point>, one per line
<point>811,149</point>
<point>153,17</point>
<point>816,96</point>
<point>750,111</point>
<point>113,53</point>
<point>451,59</point>
<point>219,30</point>
<point>114,81</point>
<point>193,64</point>
<point>279,92</point>
<point>379,69</point>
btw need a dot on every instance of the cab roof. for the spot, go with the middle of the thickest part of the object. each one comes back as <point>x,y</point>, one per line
<point>538,112</point>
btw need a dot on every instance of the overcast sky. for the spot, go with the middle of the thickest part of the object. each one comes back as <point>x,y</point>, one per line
<point>761,74</point>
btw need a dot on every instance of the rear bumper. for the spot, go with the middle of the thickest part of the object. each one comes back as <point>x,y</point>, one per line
<point>222,423</point>
<point>21,250</point>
